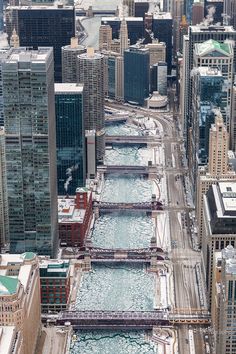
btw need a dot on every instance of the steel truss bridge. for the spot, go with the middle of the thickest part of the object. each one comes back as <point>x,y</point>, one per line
<point>126,169</point>
<point>127,255</point>
<point>126,319</point>
<point>146,206</point>
<point>132,139</point>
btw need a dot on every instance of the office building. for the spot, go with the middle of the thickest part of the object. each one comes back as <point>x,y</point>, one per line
<point>197,13</point>
<point>129,7</point>
<point>123,36</point>
<point>218,55</point>
<point>217,169</point>
<point>216,14</point>
<point>178,12</point>
<point>90,72</point>
<point>3,55</point>
<point>70,136</point>
<point>69,55</point>
<point>198,34</point>
<point>47,26</point>
<point>162,30</point>
<point>105,37</point>
<point>54,285</point>
<point>229,17</point>
<point>223,310</point>
<point>135,27</point>
<point>136,74</point>
<point>11,341</point>
<point>207,97</point>
<point>233,119</point>
<point>74,218</point>
<point>157,52</point>
<point>162,78</point>
<point>119,79</point>
<point>219,224</point>
<point>91,148</point>
<point>29,113</point>
<point>20,297</point>
<point>141,7</point>
<point>4,229</point>
<point>14,41</point>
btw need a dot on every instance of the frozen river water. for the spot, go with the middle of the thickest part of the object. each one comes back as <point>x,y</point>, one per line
<point>119,230</point>
<point>116,287</point>
<point>119,286</point>
<point>110,342</point>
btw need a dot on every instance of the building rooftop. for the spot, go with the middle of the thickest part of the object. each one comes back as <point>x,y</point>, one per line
<point>54,268</point>
<point>228,195</point>
<point>229,255</point>
<point>162,16</point>
<point>211,28</point>
<point>67,211</point>
<point>23,54</point>
<point>118,19</point>
<point>8,285</point>
<point>208,48</point>
<point>70,88</point>
<point>54,7</point>
<point>208,71</point>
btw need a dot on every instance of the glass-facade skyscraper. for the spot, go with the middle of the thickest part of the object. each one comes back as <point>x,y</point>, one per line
<point>29,112</point>
<point>70,138</point>
<point>136,74</point>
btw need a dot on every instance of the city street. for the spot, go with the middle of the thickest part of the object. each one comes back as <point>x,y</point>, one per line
<point>186,262</point>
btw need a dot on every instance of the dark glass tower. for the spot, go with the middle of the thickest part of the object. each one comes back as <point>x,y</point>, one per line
<point>136,74</point>
<point>162,29</point>
<point>70,137</point>
<point>38,26</point>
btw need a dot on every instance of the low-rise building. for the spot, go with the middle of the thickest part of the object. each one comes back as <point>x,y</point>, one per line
<point>74,217</point>
<point>55,284</point>
<point>20,297</point>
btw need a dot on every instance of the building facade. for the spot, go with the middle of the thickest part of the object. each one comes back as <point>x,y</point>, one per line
<point>136,74</point>
<point>219,225</point>
<point>70,136</point>
<point>54,285</point>
<point>105,37</point>
<point>223,311</point>
<point>90,72</point>
<point>48,26</point>
<point>74,217</point>
<point>69,55</point>
<point>4,227</point>
<point>20,297</point>
<point>30,133</point>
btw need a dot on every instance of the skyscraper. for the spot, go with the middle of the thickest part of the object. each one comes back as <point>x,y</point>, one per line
<point>129,7</point>
<point>198,34</point>
<point>70,135</point>
<point>136,74</point>
<point>223,309</point>
<point>218,168</point>
<point>4,230</point>
<point>29,112</point>
<point>105,37</point>
<point>162,29</point>
<point>69,60</point>
<point>90,72</point>
<point>207,96</point>
<point>123,36</point>
<point>157,51</point>
<point>218,148</point>
<point>47,26</point>
<point>219,226</point>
